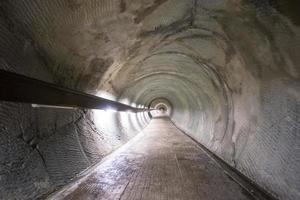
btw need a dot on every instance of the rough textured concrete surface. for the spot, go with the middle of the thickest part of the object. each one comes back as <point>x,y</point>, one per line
<point>227,72</point>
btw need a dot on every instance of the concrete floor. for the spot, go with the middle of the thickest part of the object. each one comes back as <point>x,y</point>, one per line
<point>159,163</point>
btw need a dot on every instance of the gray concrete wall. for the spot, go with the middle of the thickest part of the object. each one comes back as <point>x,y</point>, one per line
<point>233,81</point>
<point>42,149</point>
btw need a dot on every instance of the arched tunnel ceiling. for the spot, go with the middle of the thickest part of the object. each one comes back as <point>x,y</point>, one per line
<point>229,68</point>
<point>84,40</point>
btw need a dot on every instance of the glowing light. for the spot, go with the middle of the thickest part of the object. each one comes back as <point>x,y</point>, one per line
<point>133,105</point>
<point>110,109</point>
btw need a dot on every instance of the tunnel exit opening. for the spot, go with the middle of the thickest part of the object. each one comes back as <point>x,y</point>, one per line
<point>162,107</point>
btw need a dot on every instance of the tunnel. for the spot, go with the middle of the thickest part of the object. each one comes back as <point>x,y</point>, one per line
<point>210,91</point>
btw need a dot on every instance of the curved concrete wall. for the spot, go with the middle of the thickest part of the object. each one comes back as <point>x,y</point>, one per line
<point>229,68</point>
<point>42,149</point>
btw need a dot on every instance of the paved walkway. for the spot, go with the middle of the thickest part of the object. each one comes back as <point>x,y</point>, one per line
<point>160,163</point>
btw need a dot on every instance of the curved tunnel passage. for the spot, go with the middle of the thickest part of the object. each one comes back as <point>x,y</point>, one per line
<point>226,72</point>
